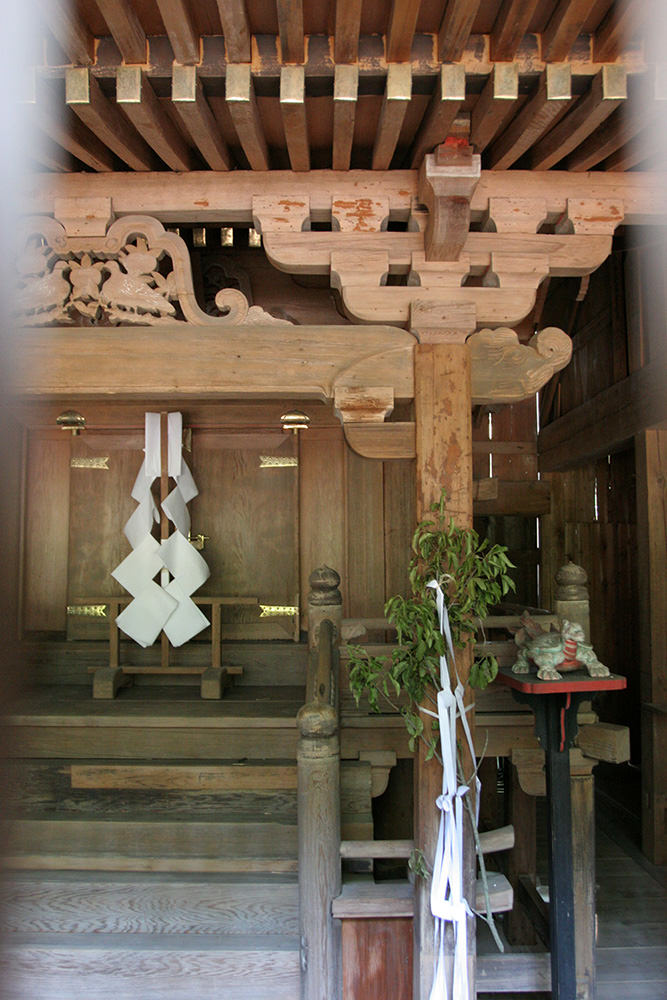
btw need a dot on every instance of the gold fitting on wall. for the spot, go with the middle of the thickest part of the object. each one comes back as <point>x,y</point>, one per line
<point>72,421</point>
<point>277,610</point>
<point>87,610</point>
<point>295,421</point>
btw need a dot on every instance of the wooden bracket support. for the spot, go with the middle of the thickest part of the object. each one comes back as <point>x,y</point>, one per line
<point>447,180</point>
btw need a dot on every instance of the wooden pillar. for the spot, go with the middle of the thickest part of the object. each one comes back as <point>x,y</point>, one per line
<point>651,468</point>
<point>444,459</point>
<point>583,871</point>
<point>318,794</point>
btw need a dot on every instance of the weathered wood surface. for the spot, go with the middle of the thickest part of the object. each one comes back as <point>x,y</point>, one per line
<point>390,974</point>
<point>186,967</point>
<point>59,903</point>
<point>651,466</point>
<point>202,197</point>
<point>444,460</point>
<point>240,362</point>
<point>45,531</point>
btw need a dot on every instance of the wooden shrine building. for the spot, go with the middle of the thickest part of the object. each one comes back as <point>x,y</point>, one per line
<point>368,250</point>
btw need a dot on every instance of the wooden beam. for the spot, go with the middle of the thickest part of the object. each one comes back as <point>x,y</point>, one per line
<point>449,95</point>
<point>397,97</point>
<point>64,128</point>
<point>455,28</point>
<point>619,129</point>
<point>608,90</point>
<point>649,142</point>
<point>50,155</point>
<point>623,18</point>
<point>242,106</point>
<point>623,125</point>
<point>69,30</point>
<point>181,31</point>
<point>126,29</point>
<point>290,27</point>
<point>236,29</point>
<point>494,104</point>
<point>84,96</point>
<point>553,94</point>
<point>510,26</point>
<point>137,99</point>
<point>606,422</point>
<point>207,197</point>
<point>346,31</point>
<point>319,64</point>
<point>346,89</point>
<point>401,30</point>
<point>215,361</point>
<point>651,469</point>
<point>293,110</point>
<point>529,498</point>
<point>564,26</point>
<point>189,101</point>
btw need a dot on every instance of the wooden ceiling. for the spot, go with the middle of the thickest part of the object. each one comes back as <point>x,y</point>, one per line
<point>180,85</point>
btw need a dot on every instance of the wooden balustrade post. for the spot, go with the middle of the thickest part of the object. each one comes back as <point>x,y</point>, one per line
<point>324,602</point>
<point>318,802</point>
<point>571,596</point>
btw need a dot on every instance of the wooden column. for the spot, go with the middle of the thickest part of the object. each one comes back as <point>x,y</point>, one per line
<point>583,858</point>
<point>651,467</point>
<point>318,795</point>
<point>444,459</point>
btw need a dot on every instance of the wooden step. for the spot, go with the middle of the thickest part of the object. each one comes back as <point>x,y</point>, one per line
<point>153,966</point>
<point>68,903</point>
<point>155,724</point>
<point>158,845</point>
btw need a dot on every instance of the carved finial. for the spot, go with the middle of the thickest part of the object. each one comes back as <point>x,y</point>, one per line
<point>571,581</point>
<point>324,587</point>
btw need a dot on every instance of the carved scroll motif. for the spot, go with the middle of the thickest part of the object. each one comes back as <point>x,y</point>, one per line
<point>506,371</point>
<point>137,274</point>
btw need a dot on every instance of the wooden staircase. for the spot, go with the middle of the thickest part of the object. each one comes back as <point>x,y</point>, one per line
<point>152,846</point>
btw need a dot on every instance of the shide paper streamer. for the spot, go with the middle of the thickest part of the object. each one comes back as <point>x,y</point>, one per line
<point>166,605</point>
<point>448,903</point>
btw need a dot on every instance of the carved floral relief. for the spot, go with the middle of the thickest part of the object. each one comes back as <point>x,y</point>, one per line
<point>137,274</point>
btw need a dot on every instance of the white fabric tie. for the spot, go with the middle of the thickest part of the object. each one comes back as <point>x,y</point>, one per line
<point>448,903</point>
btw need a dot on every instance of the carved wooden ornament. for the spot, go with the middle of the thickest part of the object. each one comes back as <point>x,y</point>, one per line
<point>136,274</point>
<point>506,371</point>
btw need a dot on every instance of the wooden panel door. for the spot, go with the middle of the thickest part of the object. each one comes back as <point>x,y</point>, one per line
<point>103,469</point>
<point>248,508</point>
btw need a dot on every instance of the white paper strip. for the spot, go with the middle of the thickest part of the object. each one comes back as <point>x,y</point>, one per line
<point>142,564</point>
<point>175,508</point>
<point>167,607</point>
<point>152,447</point>
<point>184,563</point>
<point>174,444</point>
<point>448,903</point>
<point>145,617</point>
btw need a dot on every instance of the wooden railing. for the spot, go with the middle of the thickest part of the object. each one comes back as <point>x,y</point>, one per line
<point>318,803</point>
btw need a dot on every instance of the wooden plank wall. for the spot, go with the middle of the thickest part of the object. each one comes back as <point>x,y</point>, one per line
<point>593,518</point>
<point>355,514</point>
<point>511,424</point>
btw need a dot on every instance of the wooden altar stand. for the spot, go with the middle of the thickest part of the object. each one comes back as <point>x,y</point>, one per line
<point>555,705</point>
<point>215,678</point>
